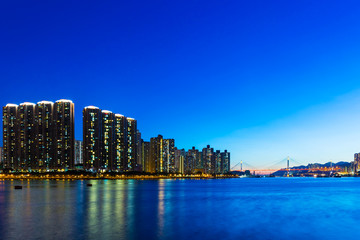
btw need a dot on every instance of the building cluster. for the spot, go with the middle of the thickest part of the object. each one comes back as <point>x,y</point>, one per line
<point>356,162</point>
<point>40,137</point>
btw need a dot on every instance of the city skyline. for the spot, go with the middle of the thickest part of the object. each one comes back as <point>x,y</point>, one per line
<point>258,75</point>
<point>40,138</point>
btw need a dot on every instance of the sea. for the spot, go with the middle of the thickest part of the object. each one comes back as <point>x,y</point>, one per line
<point>238,208</point>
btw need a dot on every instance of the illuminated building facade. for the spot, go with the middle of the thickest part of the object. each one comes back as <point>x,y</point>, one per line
<point>1,155</point>
<point>110,141</point>
<point>44,134</point>
<point>207,156</point>
<point>162,155</point>
<point>225,162</point>
<point>189,164</point>
<point>145,156</point>
<point>108,147</point>
<point>10,136</point>
<point>131,145</point>
<point>139,161</point>
<point>92,138</point>
<point>120,142</point>
<point>64,131</point>
<point>356,162</point>
<point>78,152</point>
<point>26,137</point>
<point>217,163</point>
<point>180,155</point>
<point>169,155</point>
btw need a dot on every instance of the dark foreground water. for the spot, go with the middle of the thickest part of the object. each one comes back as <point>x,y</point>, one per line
<point>266,208</point>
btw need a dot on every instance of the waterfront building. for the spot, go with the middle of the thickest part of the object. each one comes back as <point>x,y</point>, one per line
<point>225,162</point>
<point>145,156</point>
<point>26,137</point>
<point>108,148</point>
<point>1,155</point>
<point>189,164</point>
<point>92,138</point>
<point>64,135</point>
<point>162,155</point>
<point>139,151</point>
<point>208,159</point>
<point>44,134</point>
<point>131,164</point>
<point>180,156</point>
<point>78,152</point>
<point>356,162</point>
<point>169,155</point>
<point>120,163</point>
<point>156,156</point>
<point>217,163</point>
<point>10,136</point>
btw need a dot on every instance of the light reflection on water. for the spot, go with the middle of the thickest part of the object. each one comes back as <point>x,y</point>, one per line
<point>272,208</point>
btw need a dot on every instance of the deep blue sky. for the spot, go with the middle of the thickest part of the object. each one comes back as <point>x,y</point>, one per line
<point>196,71</point>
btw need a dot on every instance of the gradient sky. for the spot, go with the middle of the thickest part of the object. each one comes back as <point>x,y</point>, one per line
<point>263,79</point>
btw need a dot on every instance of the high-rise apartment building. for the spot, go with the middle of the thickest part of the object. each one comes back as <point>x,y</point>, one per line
<point>10,136</point>
<point>1,155</point>
<point>162,155</point>
<point>92,138</point>
<point>26,137</point>
<point>139,151</point>
<point>180,156</point>
<point>217,163</point>
<point>44,134</point>
<point>120,143</point>
<point>78,152</point>
<point>225,162</point>
<point>131,145</point>
<point>208,159</point>
<point>145,156</point>
<point>356,162</point>
<point>64,135</point>
<point>39,137</point>
<point>108,147</point>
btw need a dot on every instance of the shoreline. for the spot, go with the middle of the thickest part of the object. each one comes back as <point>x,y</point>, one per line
<point>101,177</point>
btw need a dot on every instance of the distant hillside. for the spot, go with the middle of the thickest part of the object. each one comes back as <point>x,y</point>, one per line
<point>282,172</point>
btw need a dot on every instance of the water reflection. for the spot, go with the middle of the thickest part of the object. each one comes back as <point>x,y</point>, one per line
<point>180,209</point>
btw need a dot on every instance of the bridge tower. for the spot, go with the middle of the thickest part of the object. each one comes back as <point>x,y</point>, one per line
<point>288,166</point>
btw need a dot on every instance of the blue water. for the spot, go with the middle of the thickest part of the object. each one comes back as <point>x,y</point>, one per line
<point>265,208</point>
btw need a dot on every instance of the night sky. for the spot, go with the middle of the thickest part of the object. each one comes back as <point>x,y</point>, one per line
<point>263,79</point>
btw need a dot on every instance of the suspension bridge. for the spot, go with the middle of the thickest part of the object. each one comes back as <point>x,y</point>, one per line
<point>286,165</point>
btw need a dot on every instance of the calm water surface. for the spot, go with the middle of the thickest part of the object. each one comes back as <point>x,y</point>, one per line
<point>266,208</point>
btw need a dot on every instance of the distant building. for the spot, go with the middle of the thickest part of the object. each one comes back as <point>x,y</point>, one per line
<point>225,162</point>
<point>356,162</point>
<point>44,112</point>
<point>217,162</point>
<point>180,156</point>
<point>78,152</point>
<point>208,159</point>
<point>131,145</point>
<point>120,143</point>
<point>26,137</point>
<point>10,136</point>
<point>108,147</point>
<point>162,155</point>
<point>145,156</point>
<point>189,163</point>
<point>92,138</point>
<point>1,155</point>
<point>139,161</point>
<point>64,124</point>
